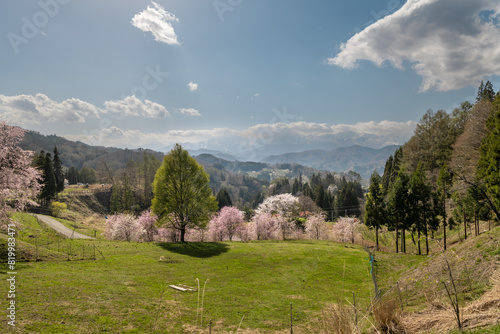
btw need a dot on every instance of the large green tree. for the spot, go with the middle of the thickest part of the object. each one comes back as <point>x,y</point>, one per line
<point>182,195</point>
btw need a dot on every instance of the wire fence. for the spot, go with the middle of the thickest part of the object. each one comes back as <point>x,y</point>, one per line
<point>40,249</point>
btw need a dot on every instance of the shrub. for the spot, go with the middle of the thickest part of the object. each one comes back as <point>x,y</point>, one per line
<point>57,208</point>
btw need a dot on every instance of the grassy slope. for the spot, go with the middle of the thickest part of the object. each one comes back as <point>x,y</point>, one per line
<point>126,291</point>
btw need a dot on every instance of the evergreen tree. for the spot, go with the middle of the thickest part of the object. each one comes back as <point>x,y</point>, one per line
<point>295,187</point>
<point>399,207</point>
<point>485,92</point>
<point>72,175</point>
<point>489,161</point>
<point>420,203</point>
<point>116,199</point>
<point>48,180</point>
<point>375,211</point>
<point>58,171</point>
<point>223,198</point>
<point>386,177</point>
<point>444,190</point>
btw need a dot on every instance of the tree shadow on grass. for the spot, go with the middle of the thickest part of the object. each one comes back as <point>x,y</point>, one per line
<point>196,249</point>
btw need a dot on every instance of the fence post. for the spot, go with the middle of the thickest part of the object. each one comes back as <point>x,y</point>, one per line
<point>355,309</point>
<point>291,318</point>
<point>210,327</point>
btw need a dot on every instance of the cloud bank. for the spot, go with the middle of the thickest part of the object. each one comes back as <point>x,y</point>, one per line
<point>261,139</point>
<point>39,108</point>
<point>451,44</point>
<point>156,20</point>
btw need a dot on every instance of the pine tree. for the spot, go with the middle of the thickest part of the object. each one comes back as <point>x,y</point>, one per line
<point>485,92</point>
<point>375,210</point>
<point>398,205</point>
<point>48,180</point>
<point>223,198</point>
<point>420,196</point>
<point>58,171</point>
<point>488,170</point>
<point>444,190</point>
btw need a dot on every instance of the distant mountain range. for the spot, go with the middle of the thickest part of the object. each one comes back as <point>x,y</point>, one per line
<point>362,160</point>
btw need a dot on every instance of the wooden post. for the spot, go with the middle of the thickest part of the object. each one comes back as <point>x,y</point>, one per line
<point>355,309</point>
<point>291,318</point>
<point>210,327</point>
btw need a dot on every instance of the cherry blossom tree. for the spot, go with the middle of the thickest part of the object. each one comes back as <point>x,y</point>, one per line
<point>123,227</point>
<point>284,207</point>
<point>316,227</point>
<point>263,226</point>
<point>147,222</point>
<point>216,229</point>
<point>345,230</point>
<point>18,179</point>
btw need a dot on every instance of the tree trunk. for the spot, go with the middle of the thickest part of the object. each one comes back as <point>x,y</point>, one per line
<point>444,231</point>
<point>426,240</point>
<point>397,238</point>
<point>419,251</point>
<point>465,223</point>
<point>403,240</point>
<point>376,237</point>
<point>183,233</point>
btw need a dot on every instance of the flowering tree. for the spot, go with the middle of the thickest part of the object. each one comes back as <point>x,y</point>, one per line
<point>315,226</point>
<point>147,221</point>
<point>263,227</point>
<point>227,222</point>
<point>216,229</point>
<point>345,230</point>
<point>123,227</point>
<point>18,179</point>
<point>284,207</point>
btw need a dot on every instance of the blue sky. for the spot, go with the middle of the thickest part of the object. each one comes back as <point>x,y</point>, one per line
<point>241,75</point>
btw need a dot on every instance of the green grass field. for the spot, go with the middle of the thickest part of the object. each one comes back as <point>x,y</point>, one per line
<point>101,286</point>
<point>127,291</point>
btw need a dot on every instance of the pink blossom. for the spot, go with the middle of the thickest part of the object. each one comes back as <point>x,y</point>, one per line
<point>18,179</point>
<point>147,222</point>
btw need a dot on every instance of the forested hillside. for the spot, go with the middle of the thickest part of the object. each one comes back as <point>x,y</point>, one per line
<point>445,177</point>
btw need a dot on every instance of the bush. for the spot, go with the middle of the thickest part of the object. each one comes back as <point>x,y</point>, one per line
<point>57,208</point>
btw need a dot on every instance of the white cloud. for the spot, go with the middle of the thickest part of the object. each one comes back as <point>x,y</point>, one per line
<point>39,108</point>
<point>132,106</point>
<point>189,112</point>
<point>193,87</point>
<point>450,43</point>
<point>157,21</point>
<point>23,109</point>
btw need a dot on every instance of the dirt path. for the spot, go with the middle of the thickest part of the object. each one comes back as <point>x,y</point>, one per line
<point>60,228</point>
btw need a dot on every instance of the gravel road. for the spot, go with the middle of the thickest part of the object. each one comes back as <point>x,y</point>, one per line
<point>60,228</point>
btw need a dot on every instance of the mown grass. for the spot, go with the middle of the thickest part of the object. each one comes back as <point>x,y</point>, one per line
<point>127,291</point>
